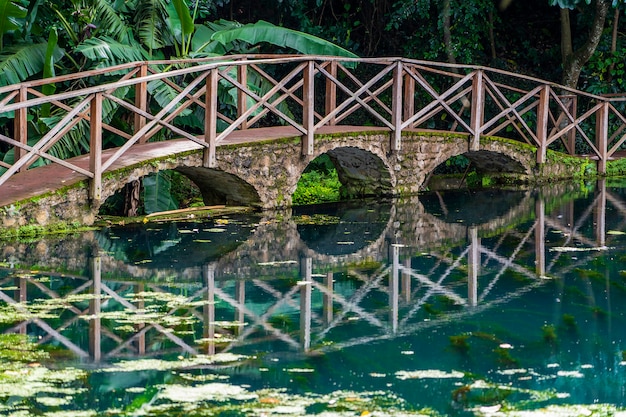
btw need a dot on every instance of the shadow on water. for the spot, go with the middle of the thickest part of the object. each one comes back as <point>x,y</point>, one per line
<point>181,244</point>
<point>469,206</point>
<point>343,228</point>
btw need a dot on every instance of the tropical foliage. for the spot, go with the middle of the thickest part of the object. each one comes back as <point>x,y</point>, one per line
<point>41,39</point>
<point>319,183</point>
<point>578,42</point>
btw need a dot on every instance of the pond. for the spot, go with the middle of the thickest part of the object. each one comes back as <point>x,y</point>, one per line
<point>458,303</point>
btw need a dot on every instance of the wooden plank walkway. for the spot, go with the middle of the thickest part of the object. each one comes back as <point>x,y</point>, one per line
<point>49,178</point>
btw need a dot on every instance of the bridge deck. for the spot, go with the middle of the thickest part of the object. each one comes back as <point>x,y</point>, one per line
<point>49,178</point>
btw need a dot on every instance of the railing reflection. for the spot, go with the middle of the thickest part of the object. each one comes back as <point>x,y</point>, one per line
<point>222,315</point>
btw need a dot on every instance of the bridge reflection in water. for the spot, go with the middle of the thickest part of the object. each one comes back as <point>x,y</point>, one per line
<point>248,298</point>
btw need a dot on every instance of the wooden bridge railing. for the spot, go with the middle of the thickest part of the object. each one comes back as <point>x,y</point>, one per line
<point>205,101</point>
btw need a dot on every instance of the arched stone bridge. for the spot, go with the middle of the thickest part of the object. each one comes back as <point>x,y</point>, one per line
<point>266,174</point>
<point>252,146</point>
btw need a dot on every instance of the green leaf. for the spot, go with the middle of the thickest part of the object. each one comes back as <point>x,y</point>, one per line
<point>9,13</point>
<point>164,94</point>
<point>31,16</point>
<point>21,61</point>
<point>110,21</point>
<point>184,20</point>
<point>108,49</point>
<point>157,193</point>
<point>150,20</point>
<point>203,45</point>
<point>48,69</point>
<point>266,32</point>
<point>48,65</point>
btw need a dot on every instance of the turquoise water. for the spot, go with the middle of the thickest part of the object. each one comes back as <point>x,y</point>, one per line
<point>457,303</point>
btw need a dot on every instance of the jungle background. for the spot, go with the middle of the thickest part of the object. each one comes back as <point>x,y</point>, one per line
<point>578,43</point>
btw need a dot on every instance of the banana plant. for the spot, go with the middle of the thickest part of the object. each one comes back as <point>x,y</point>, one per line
<point>10,15</point>
<point>101,33</point>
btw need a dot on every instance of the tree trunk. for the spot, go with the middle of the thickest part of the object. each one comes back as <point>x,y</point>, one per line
<point>609,75</point>
<point>447,33</point>
<point>132,198</point>
<point>574,60</point>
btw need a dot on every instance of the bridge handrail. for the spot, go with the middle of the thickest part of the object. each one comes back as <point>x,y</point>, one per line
<point>270,58</point>
<point>261,59</point>
<point>402,94</point>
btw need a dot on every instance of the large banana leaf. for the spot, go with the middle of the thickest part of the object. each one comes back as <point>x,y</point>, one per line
<point>262,31</point>
<point>150,20</point>
<point>111,21</point>
<point>108,50</point>
<point>181,26</point>
<point>18,62</point>
<point>202,44</point>
<point>180,17</point>
<point>9,13</point>
<point>157,193</point>
<point>48,70</point>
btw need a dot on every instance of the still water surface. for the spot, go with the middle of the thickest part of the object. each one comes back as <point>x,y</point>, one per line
<point>456,303</point>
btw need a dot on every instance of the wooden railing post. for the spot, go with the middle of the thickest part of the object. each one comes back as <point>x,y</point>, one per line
<point>331,93</point>
<point>210,118</point>
<point>477,115</point>
<point>95,147</point>
<point>600,213</point>
<point>602,133</point>
<point>308,110</point>
<point>540,237</point>
<point>408,100</point>
<point>397,107</point>
<point>20,126</point>
<point>95,308</point>
<point>473,267</point>
<point>571,135</point>
<point>141,101</point>
<point>542,124</point>
<point>242,98</point>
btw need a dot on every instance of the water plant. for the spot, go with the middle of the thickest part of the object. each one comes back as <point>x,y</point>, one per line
<point>549,333</point>
<point>459,342</point>
<point>504,357</point>
<point>569,321</point>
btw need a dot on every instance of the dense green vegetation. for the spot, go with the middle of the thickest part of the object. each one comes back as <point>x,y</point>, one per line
<point>540,37</point>
<point>319,183</point>
<point>580,43</point>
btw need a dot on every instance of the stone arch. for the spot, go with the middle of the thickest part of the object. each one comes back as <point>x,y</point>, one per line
<point>493,157</point>
<point>362,166</point>
<point>221,187</point>
<point>489,161</point>
<point>117,180</point>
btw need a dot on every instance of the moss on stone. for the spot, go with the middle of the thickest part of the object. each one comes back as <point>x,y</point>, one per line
<point>515,143</point>
<point>33,231</point>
